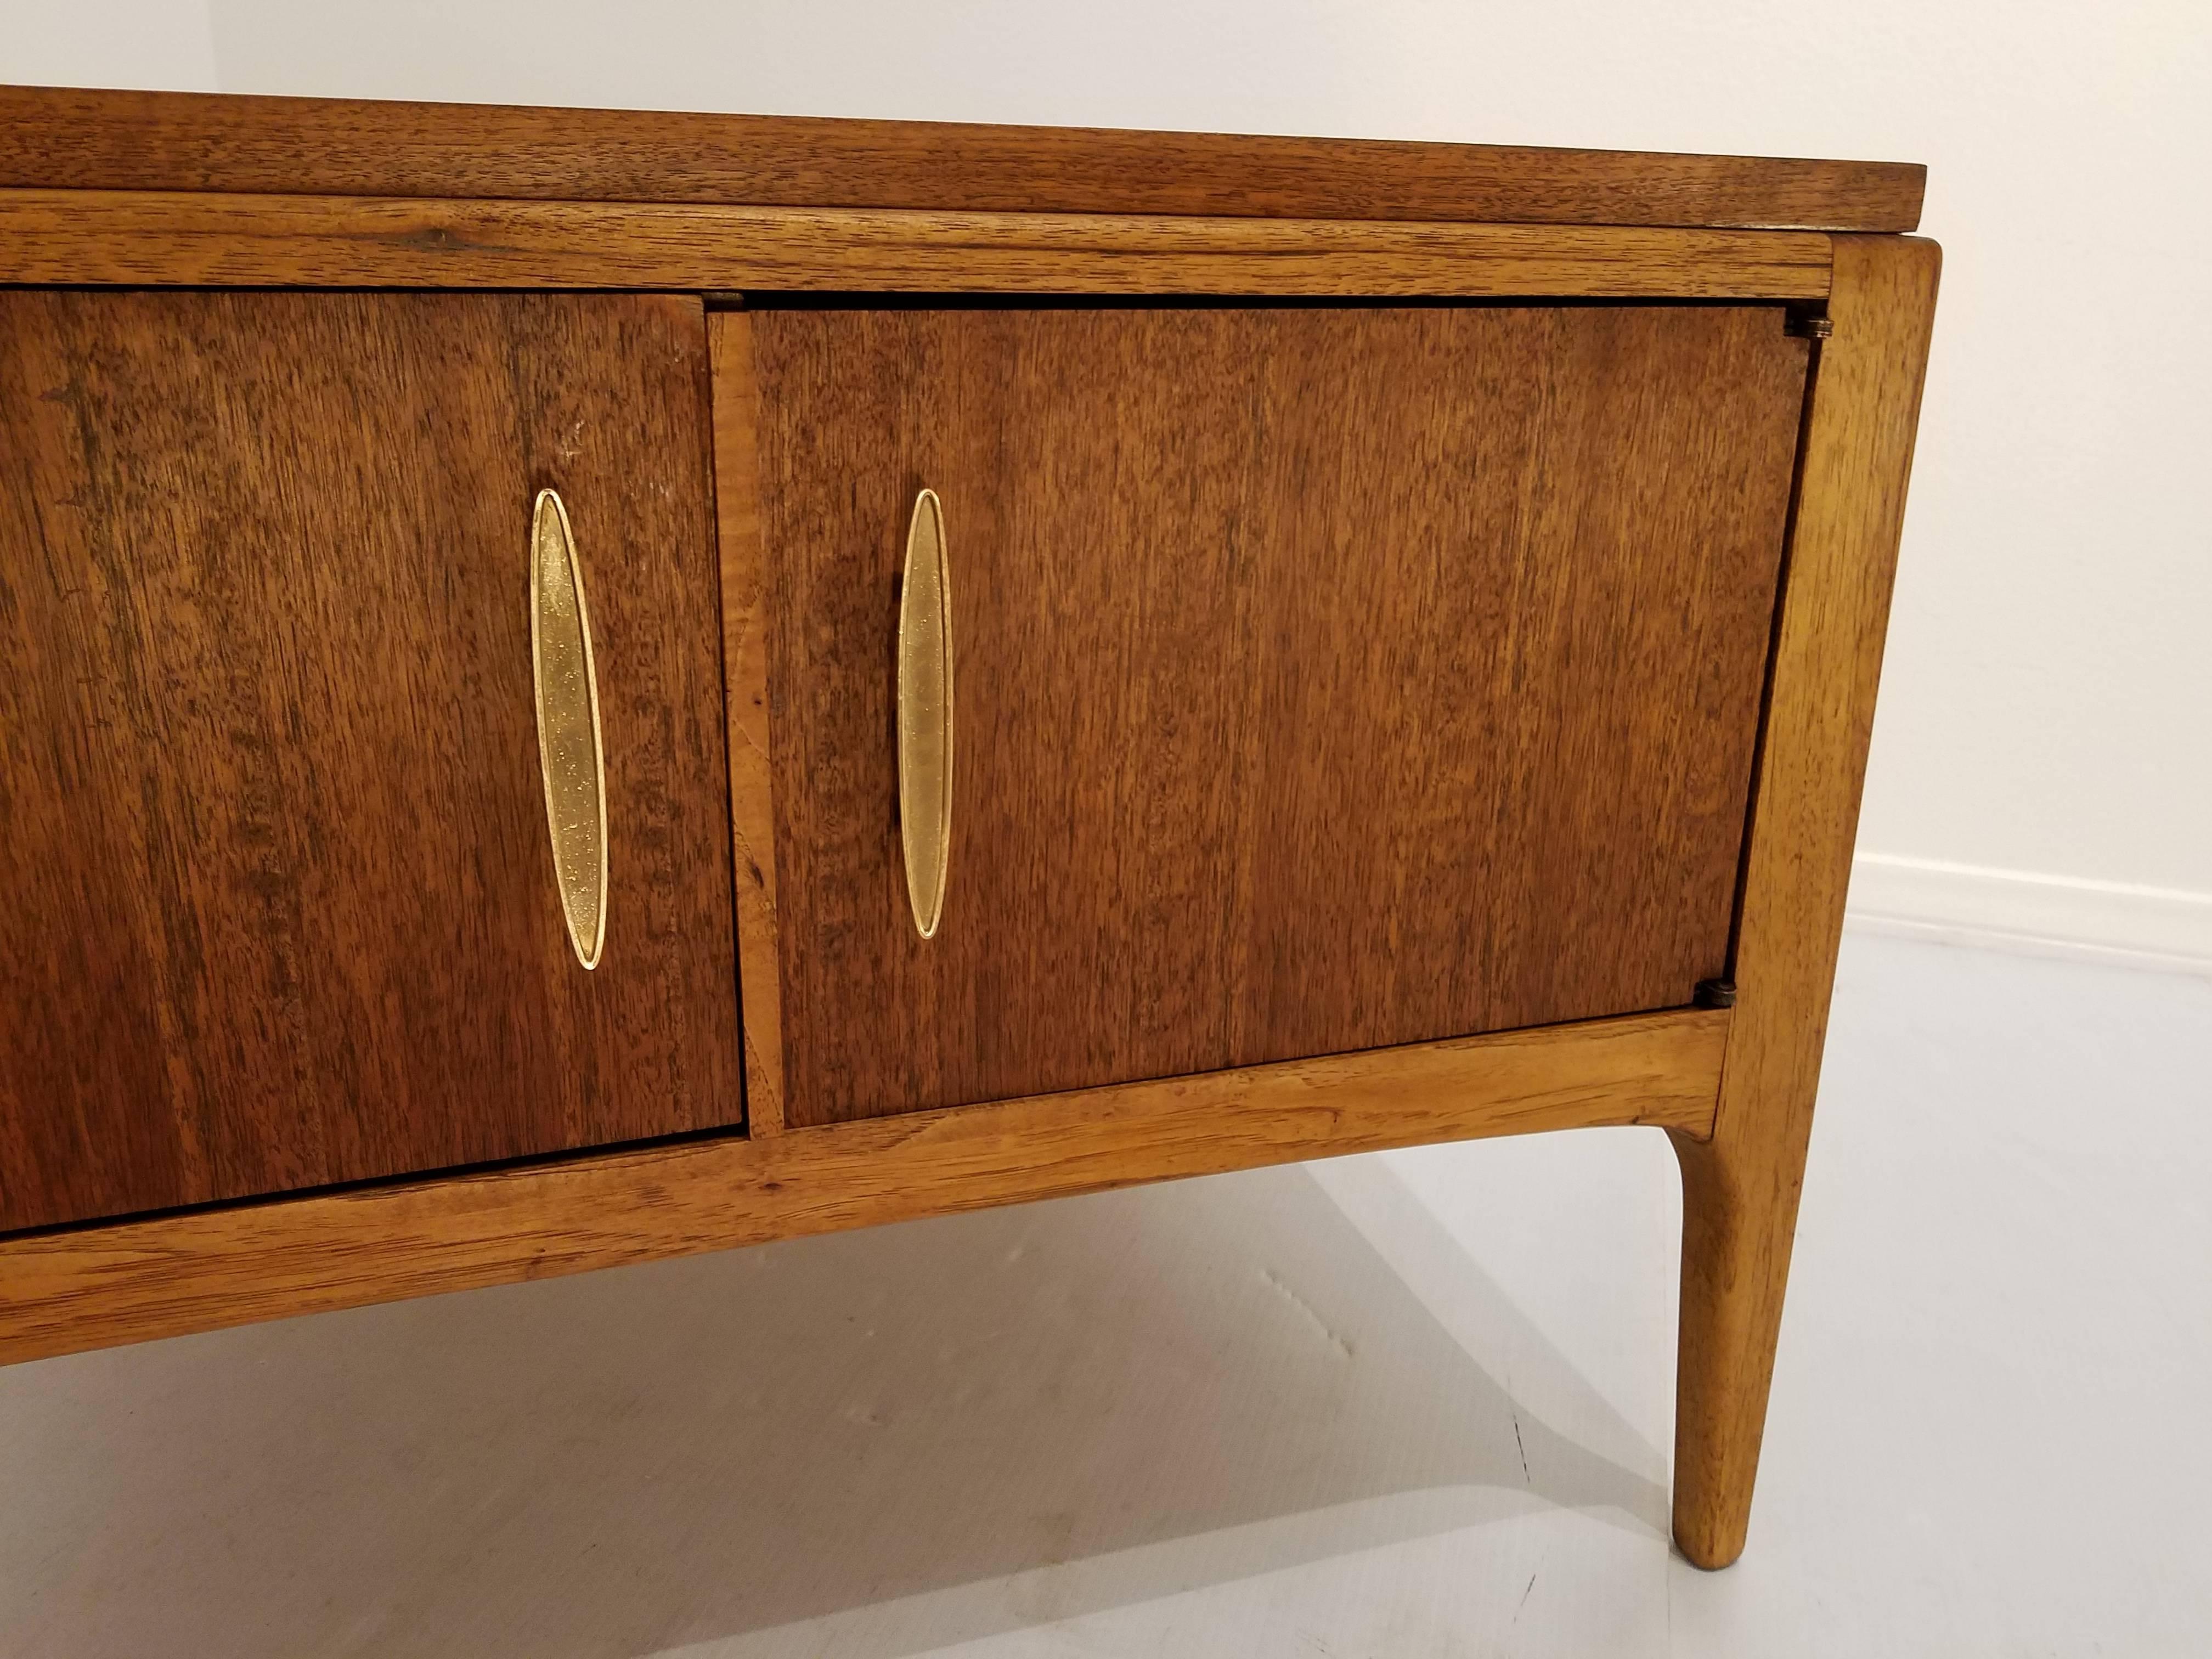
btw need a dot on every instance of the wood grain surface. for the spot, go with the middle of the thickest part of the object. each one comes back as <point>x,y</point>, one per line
<point>1740,1185</point>
<point>99,237</point>
<point>747,575</point>
<point>96,1287</point>
<point>1327,678</point>
<point>66,138</point>
<point>282,906</point>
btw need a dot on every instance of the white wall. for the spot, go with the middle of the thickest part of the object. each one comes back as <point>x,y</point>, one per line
<point>2042,764</point>
<point>156,44</point>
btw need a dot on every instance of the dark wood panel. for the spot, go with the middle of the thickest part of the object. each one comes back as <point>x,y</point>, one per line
<point>1328,679</point>
<point>70,138</point>
<point>280,904</point>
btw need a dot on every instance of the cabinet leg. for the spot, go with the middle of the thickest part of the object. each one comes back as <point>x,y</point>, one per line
<point>1739,1215</point>
<point>1739,1188</point>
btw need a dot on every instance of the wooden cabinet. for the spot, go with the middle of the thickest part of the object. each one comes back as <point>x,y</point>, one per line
<point>1327,678</point>
<point>283,913</point>
<point>1414,613</point>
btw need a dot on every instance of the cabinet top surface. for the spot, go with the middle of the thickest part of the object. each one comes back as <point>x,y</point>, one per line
<point>61,137</point>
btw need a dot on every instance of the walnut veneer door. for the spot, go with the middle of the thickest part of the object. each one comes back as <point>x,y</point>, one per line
<point>1326,679</point>
<point>280,906</point>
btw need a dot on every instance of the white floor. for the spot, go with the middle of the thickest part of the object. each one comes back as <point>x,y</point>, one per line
<point>1415,1404</point>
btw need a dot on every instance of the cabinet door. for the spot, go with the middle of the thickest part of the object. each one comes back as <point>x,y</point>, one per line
<point>280,906</point>
<point>1326,679</point>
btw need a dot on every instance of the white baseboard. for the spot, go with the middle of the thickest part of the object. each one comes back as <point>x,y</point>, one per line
<point>2103,922</point>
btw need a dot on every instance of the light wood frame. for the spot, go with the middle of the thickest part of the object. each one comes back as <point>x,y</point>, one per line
<point>1733,1089</point>
<point>1741,1183</point>
<point>88,1287</point>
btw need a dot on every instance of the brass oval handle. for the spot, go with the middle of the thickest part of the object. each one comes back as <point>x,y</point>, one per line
<point>925,713</point>
<point>569,752</point>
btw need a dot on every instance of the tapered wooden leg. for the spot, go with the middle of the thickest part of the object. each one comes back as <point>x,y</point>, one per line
<point>1739,1214</point>
<point>1739,1186</point>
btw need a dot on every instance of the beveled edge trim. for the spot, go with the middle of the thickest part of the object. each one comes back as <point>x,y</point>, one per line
<point>155,238</point>
<point>96,1287</point>
<point>77,138</point>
